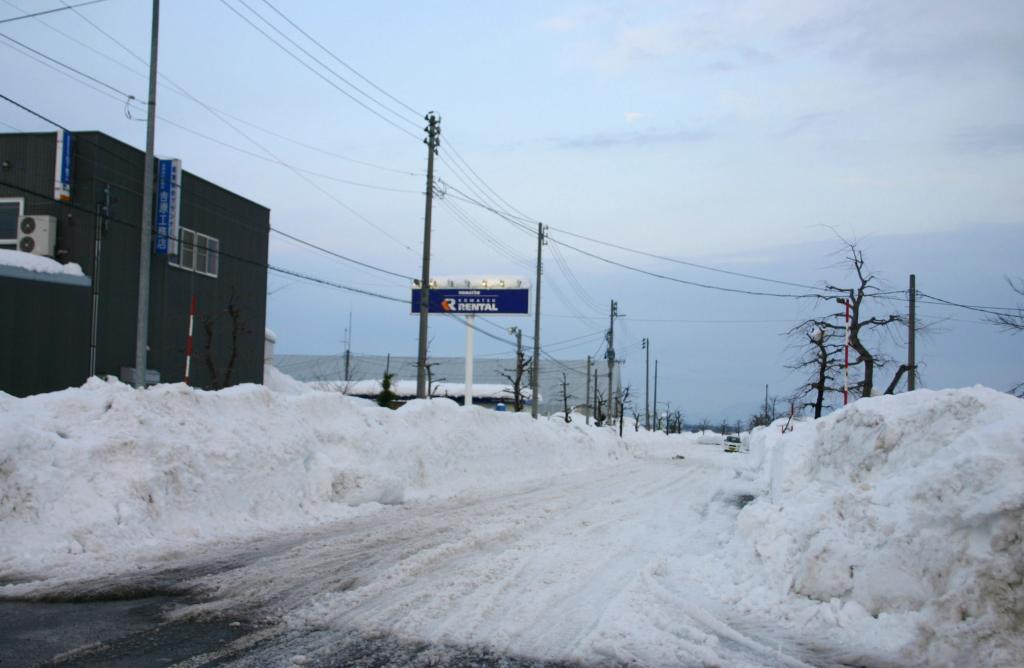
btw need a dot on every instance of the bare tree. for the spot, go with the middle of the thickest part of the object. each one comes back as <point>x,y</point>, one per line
<point>515,379</point>
<point>1012,322</point>
<point>864,329</point>
<point>821,353</point>
<point>238,328</point>
<point>565,397</point>
<point>704,424</point>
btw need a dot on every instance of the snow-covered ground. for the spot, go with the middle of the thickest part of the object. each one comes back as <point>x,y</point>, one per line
<point>889,533</point>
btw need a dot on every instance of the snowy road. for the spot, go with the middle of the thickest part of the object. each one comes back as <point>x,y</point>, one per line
<point>570,570</point>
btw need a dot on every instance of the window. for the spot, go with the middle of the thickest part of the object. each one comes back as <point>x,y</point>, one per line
<point>10,210</point>
<point>197,252</point>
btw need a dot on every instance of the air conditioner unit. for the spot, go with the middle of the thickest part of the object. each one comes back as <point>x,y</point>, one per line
<point>37,234</point>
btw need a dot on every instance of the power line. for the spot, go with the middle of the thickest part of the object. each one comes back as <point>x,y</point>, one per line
<point>219,252</point>
<point>179,90</point>
<point>486,185</point>
<point>313,70</point>
<point>273,158</point>
<point>351,69</point>
<point>51,11</point>
<point>680,280</point>
<point>684,262</point>
<point>338,255</point>
<point>80,73</point>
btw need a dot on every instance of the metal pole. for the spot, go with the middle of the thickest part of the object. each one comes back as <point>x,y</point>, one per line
<point>145,236</point>
<point>535,381</point>
<point>468,395</point>
<point>588,404</point>
<point>97,255</point>
<point>911,352</point>
<point>348,348</point>
<point>432,141</point>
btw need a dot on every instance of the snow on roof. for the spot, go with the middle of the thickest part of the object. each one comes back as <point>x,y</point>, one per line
<point>18,264</point>
<point>38,263</point>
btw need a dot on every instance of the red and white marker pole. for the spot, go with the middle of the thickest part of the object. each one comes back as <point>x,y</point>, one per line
<point>188,342</point>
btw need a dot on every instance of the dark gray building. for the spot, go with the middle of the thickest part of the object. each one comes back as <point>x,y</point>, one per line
<point>57,330</point>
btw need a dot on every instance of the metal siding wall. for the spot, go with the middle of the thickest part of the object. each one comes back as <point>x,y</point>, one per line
<point>41,336</point>
<point>241,226</point>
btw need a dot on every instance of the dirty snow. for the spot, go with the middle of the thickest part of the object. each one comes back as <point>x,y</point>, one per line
<point>889,533</point>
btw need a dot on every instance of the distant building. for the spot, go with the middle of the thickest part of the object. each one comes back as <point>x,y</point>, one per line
<point>76,205</point>
<point>448,376</point>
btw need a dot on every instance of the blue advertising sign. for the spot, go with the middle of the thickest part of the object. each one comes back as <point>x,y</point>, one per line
<point>475,301</point>
<point>163,205</point>
<point>62,169</point>
<point>168,197</point>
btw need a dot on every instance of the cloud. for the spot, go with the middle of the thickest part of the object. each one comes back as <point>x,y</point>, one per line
<point>634,116</point>
<point>1007,138</point>
<point>635,138</point>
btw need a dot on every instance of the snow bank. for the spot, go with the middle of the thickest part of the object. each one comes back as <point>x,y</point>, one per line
<point>900,518</point>
<point>93,476</point>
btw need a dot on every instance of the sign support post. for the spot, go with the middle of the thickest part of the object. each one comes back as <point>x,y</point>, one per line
<point>469,360</point>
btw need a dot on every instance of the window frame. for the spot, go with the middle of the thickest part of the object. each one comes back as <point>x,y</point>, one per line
<point>13,241</point>
<point>200,242</point>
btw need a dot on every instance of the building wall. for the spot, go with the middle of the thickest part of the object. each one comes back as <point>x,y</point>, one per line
<point>101,162</point>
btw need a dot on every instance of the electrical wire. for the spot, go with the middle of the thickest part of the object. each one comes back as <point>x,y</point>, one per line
<point>51,11</point>
<point>219,252</point>
<point>351,69</point>
<point>314,70</point>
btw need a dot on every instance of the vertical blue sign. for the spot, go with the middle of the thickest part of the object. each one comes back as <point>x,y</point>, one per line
<point>62,169</point>
<point>165,181</point>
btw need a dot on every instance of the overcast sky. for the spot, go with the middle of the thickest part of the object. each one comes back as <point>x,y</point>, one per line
<point>747,135</point>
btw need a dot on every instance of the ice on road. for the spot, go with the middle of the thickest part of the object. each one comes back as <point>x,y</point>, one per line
<point>574,568</point>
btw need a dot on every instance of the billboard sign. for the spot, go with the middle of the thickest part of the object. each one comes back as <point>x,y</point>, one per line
<point>62,167</point>
<point>168,206</point>
<point>478,299</point>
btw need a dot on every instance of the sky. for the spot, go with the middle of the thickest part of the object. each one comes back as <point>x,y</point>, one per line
<point>750,136</point>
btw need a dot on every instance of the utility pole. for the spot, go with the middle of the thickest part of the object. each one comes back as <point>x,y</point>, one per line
<point>767,418</point>
<point>912,326</point>
<point>647,384</point>
<point>348,347</point>
<point>597,408</point>
<point>432,141</point>
<point>146,229</point>
<point>655,395</point>
<point>614,311</point>
<point>589,407</point>
<point>535,381</point>
<point>102,215</point>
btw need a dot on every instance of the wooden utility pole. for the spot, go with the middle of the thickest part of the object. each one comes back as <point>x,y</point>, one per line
<point>432,141</point>
<point>912,327</point>
<point>647,384</point>
<point>146,229</point>
<point>535,381</point>
<point>655,395</point>
<point>589,405</point>
<point>611,360</point>
<point>597,407</point>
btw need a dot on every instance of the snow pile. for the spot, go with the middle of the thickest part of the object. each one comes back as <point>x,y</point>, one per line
<point>105,472</point>
<point>37,263</point>
<point>900,518</point>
